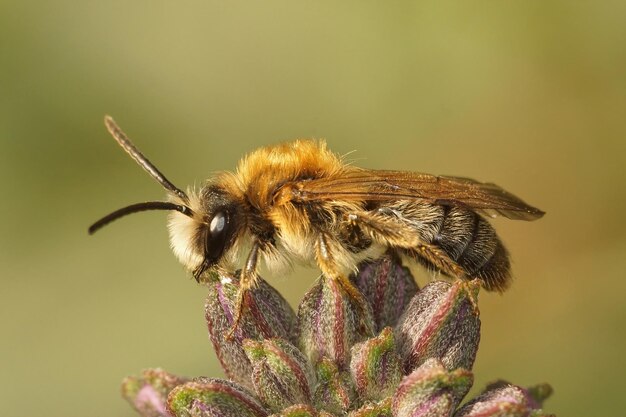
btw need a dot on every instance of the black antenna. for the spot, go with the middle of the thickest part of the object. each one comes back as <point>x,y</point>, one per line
<point>135,208</point>
<point>134,153</point>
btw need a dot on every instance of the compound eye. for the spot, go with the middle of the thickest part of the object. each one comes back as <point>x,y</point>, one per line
<point>217,236</point>
<point>218,223</point>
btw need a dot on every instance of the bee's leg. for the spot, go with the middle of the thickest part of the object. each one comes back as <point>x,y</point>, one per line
<point>390,232</point>
<point>326,253</point>
<point>439,259</point>
<point>247,279</point>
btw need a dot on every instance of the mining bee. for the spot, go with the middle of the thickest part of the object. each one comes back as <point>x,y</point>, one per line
<point>299,202</point>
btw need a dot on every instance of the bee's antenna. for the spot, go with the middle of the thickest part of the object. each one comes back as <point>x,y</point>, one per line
<point>134,153</point>
<point>134,208</point>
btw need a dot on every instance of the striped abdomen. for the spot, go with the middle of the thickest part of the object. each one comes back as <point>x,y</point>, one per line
<point>470,241</point>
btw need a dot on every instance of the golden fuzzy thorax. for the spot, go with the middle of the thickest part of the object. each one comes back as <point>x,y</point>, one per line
<point>262,184</point>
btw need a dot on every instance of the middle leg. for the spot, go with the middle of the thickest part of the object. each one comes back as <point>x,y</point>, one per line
<point>329,254</point>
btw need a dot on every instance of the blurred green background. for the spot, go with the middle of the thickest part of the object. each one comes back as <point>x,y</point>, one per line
<point>530,95</point>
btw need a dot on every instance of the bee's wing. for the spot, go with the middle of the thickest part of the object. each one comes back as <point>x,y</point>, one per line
<point>358,184</point>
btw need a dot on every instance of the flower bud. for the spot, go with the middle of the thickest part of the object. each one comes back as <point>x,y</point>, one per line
<point>208,397</point>
<point>148,393</point>
<point>379,409</point>
<point>266,314</point>
<point>280,373</point>
<point>375,367</point>
<point>431,390</point>
<point>330,322</point>
<point>441,322</point>
<point>388,287</point>
<point>299,410</point>
<point>502,399</point>
<point>334,392</point>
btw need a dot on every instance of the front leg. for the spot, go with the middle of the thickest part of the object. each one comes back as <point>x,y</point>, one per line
<point>247,280</point>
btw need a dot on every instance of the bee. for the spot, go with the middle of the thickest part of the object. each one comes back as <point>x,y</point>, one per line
<point>299,202</point>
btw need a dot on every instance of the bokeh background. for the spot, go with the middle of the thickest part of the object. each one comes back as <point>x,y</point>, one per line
<point>530,95</point>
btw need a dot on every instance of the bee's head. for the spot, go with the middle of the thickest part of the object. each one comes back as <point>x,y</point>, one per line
<point>202,227</point>
<point>202,240</point>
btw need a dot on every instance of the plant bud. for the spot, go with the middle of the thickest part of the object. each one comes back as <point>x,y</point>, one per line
<point>502,399</point>
<point>281,375</point>
<point>334,392</point>
<point>148,393</point>
<point>208,397</point>
<point>441,322</point>
<point>431,391</point>
<point>375,367</point>
<point>379,409</point>
<point>330,322</point>
<point>388,287</point>
<point>302,410</point>
<point>266,314</point>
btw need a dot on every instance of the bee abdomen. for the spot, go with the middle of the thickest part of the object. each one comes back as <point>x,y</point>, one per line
<point>472,242</point>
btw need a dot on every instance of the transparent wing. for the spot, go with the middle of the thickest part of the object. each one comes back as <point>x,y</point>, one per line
<point>358,184</point>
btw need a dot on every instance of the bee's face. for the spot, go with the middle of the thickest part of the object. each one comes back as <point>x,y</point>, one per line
<point>201,241</point>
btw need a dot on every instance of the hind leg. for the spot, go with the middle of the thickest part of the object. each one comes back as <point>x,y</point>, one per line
<point>397,236</point>
<point>392,233</point>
